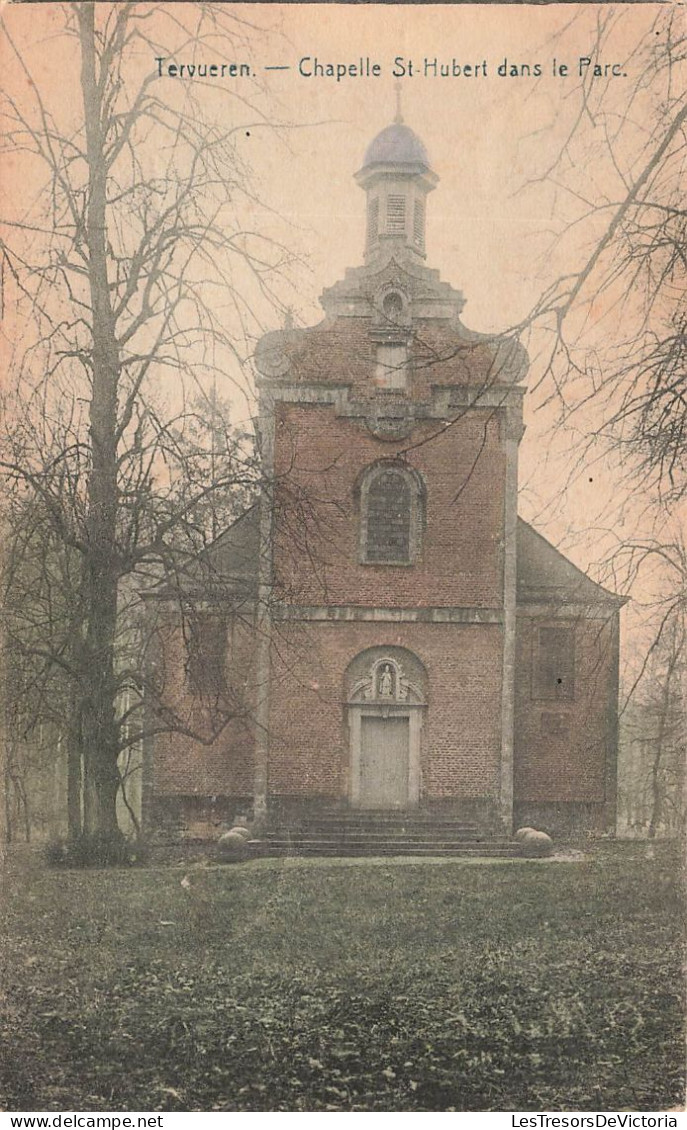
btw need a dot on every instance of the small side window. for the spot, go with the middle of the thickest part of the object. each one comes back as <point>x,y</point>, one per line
<point>553,677</point>
<point>206,654</point>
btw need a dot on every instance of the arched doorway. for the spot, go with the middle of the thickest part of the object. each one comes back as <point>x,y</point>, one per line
<point>386,697</point>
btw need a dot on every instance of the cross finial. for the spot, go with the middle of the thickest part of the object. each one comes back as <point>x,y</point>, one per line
<point>399,116</point>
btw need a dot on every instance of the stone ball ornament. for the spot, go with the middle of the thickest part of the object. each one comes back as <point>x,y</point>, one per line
<point>536,845</point>
<point>511,361</point>
<point>271,358</point>
<point>521,834</point>
<point>232,846</point>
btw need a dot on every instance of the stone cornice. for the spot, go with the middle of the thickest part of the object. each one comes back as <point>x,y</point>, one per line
<point>558,607</point>
<point>328,613</point>
<point>444,398</point>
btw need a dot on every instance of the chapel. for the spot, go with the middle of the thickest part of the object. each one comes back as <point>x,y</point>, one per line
<point>380,633</point>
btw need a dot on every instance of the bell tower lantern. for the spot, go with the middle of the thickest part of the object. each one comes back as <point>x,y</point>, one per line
<point>397,178</point>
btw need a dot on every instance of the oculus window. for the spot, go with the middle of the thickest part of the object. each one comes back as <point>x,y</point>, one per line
<point>393,306</point>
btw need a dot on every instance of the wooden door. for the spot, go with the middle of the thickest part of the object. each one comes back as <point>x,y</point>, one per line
<point>384,749</point>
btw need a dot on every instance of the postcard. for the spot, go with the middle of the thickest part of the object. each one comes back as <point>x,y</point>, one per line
<point>343,639</point>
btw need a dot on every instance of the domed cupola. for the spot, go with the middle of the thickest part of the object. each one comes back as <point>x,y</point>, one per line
<point>397,177</point>
<point>397,145</point>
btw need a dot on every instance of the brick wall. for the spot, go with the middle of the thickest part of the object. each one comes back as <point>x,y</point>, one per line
<point>561,748</point>
<point>223,766</point>
<point>341,349</point>
<point>461,735</point>
<point>319,458</point>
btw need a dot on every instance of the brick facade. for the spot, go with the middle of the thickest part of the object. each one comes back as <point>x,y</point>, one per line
<point>565,749</point>
<point>461,733</point>
<point>319,459</point>
<point>187,761</point>
<point>385,575</point>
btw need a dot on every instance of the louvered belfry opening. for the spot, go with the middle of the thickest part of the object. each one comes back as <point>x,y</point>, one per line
<point>395,214</point>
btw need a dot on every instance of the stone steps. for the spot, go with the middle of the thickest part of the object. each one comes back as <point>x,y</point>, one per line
<point>377,816</point>
<point>379,829</point>
<point>373,833</point>
<point>387,828</point>
<point>351,836</point>
<point>314,846</point>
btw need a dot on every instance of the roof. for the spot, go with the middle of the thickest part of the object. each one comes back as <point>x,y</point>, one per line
<point>396,145</point>
<point>228,565</point>
<point>233,556</point>
<point>545,576</point>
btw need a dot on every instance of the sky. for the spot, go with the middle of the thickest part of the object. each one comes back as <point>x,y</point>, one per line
<point>502,222</point>
<point>526,173</point>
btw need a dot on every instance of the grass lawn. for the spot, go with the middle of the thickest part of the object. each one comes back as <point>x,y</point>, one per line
<point>300,985</point>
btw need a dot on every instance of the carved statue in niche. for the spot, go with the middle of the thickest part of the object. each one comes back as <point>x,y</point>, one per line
<point>386,682</point>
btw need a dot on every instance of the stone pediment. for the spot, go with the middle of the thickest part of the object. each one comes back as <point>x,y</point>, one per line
<point>425,314</point>
<point>361,291</point>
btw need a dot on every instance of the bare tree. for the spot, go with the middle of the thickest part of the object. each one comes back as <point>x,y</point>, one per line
<point>113,272</point>
<point>611,330</point>
<point>41,629</point>
<point>610,335</point>
<point>653,773</point>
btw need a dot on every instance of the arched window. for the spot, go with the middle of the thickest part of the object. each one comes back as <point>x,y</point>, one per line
<point>390,515</point>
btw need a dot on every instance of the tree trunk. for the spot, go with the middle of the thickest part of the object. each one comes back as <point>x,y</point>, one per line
<point>100,729</point>
<point>656,784</point>
<point>74,778</point>
<point>7,795</point>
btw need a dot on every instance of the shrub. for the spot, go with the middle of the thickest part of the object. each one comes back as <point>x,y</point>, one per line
<point>94,850</point>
